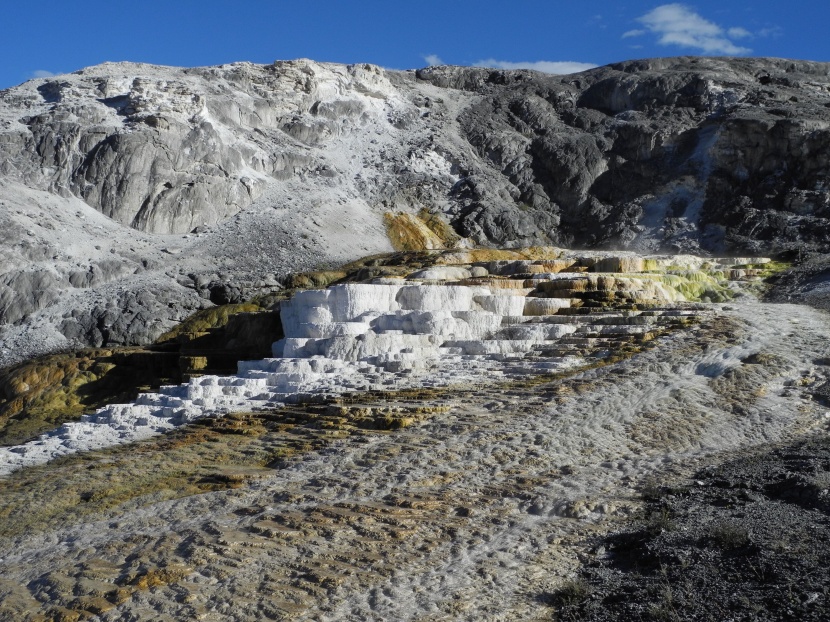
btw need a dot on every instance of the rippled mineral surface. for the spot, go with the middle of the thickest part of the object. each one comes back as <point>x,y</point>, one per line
<point>436,446</point>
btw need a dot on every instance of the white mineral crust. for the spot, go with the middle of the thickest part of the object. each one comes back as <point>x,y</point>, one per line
<point>427,330</point>
<point>352,337</point>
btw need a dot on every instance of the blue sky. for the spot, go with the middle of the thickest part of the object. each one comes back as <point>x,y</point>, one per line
<point>39,38</point>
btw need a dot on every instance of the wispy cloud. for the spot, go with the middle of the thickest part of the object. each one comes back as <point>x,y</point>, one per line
<point>774,32</point>
<point>545,66</point>
<point>633,33</point>
<point>677,24</point>
<point>738,33</point>
<point>42,73</point>
<point>433,59</point>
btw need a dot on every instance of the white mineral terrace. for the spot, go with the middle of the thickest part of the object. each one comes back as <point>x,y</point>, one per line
<point>386,335</point>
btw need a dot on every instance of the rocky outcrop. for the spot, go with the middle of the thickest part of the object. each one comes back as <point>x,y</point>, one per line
<point>683,153</point>
<point>150,192</point>
<point>167,150</point>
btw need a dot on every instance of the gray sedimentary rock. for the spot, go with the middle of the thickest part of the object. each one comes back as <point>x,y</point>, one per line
<point>131,317</point>
<point>26,291</point>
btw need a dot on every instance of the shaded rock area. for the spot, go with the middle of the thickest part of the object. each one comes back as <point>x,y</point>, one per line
<point>808,282</point>
<point>739,540</point>
<point>680,153</point>
<point>39,394</point>
<point>130,317</point>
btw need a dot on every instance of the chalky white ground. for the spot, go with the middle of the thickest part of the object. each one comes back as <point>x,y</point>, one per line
<point>383,335</point>
<point>346,338</point>
<point>491,564</point>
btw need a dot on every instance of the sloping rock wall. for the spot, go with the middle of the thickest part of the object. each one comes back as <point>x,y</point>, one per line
<point>683,153</point>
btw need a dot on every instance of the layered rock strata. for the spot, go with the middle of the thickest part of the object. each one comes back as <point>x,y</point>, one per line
<point>449,324</point>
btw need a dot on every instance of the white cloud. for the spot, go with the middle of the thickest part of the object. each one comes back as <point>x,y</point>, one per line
<point>545,66</point>
<point>433,59</point>
<point>633,33</point>
<point>42,73</point>
<point>677,24</point>
<point>775,32</point>
<point>738,33</point>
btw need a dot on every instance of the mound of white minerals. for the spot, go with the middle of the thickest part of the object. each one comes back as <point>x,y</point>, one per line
<point>396,334</point>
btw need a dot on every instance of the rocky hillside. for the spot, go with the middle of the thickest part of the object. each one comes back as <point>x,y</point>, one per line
<point>132,195</point>
<point>455,430</point>
<point>687,153</point>
<point>453,443</point>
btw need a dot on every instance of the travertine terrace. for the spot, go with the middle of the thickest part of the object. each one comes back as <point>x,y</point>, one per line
<point>459,410</point>
<point>457,477</point>
<point>446,324</point>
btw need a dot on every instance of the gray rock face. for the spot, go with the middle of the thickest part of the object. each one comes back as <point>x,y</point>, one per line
<point>684,154</point>
<point>128,317</point>
<point>118,180</point>
<point>24,292</point>
<point>172,149</point>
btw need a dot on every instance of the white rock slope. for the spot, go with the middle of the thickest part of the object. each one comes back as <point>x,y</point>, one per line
<point>124,187</point>
<point>396,333</point>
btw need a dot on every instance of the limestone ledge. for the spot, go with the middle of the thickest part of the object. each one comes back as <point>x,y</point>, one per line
<point>448,324</point>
